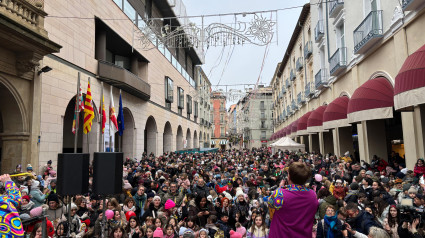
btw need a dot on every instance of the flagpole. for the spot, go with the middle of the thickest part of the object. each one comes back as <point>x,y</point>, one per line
<point>88,132</point>
<point>77,108</point>
<point>120,137</point>
<point>110,133</point>
<point>101,118</point>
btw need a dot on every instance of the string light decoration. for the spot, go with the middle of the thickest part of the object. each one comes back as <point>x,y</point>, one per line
<point>254,29</point>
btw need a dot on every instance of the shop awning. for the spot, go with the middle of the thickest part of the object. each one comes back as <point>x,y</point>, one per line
<point>315,120</point>
<point>335,114</point>
<point>223,142</point>
<point>373,100</point>
<point>294,127</point>
<point>282,133</point>
<point>302,124</point>
<point>409,88</point>
<point>212,142</point>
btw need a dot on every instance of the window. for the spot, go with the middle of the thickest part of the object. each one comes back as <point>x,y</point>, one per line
<point>340,36</point>
<point>262,105</point>
<point>196,110</point>
<point>180,96</point>
<point>119,3</point>
<point>222,132</point>
<point>189,104</point>
<point>263,135</point>
<point>129,11</point>
<point>263,115</point>
<point>168,92</point>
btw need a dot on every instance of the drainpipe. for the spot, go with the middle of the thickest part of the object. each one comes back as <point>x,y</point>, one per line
<point>327,30</point>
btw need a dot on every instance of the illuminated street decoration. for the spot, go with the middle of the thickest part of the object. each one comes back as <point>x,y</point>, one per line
<point>258,31</point>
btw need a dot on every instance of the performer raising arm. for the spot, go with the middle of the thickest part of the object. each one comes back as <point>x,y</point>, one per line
<point>10,223</point>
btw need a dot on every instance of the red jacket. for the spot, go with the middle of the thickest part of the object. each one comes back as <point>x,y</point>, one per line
<point>419,170</point>
<point>50,230</point>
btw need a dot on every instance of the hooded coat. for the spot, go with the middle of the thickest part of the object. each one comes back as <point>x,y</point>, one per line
<point>329,200</point>
<point>36,195</point>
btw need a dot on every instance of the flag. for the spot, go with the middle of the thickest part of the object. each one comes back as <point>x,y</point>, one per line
<point>120,118</point>
<point>113,125</point>
<point>80,107</point>
<point>88,111</point>
<point>103,113</point>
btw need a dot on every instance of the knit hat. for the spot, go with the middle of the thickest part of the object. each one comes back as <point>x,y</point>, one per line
<point>169,204</point>
<point>318,178</point>
<point>150,195</point>
<point>35,212</point>
<point>53,197</point>
<point>73,206</point>
<point>158,233</point>
<point>188,234</point>
<point>26,197</point>
<point>234,234</point>
<point>24,216</point>
<point>239,193</point>
<point>385,180</point>
<point>127,186</point>
<point>398,180</point>
<point>156,197</point>
<point>203,229</point>
<point>182,230</point>
<point>241,230</point>
<point>413,190</point>
<point>370,173</point>
<point>29,167</point>
<point>49,162</point>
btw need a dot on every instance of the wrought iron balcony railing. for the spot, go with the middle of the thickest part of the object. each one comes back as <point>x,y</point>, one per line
<point>300,63</point>
<point>319,31</point>
<point>294,106</point>
<point>338,61</point>
<point>321,78</point>
<point>409,5</point>
<point>368,32</point>
<point>288,83</point>
<point>300,98</point>
<point>292,75</point>
<point>335,7</point>
<point>308,49</point>
<point>309,89</point>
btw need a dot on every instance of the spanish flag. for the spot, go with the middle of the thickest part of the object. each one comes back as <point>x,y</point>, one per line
<point>88,111</point>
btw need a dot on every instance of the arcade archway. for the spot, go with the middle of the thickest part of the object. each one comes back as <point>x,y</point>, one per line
<point>179,138</point>
<point>151,136</point>
<point>195,140</point>
<point>188,139</point>
<point>167,138</point>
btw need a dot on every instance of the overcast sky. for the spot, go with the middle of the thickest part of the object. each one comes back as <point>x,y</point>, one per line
<point>244,64</point>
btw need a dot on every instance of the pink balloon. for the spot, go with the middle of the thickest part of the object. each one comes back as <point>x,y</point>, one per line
<point>109,214</point>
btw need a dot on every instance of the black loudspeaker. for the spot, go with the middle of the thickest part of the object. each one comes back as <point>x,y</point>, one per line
<point>107,173</point>
<point>73,174</point>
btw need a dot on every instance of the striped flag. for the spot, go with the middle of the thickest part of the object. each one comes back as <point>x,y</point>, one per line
<point>113,125</point>
<point>88,111</point>
<point>103,113</point>
<point>80,107</point>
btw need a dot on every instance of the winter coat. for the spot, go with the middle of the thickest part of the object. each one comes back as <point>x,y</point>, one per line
<point>329,200</point>
<point>363,222</point>
<point>243,209</point>
<point>58,213</point>
<point>203,191</point>
<point>36,195</point>
<point>194,210</point>
<point>177,197</point>
<point>419,170</point>
<point>322,229</point>
<point>139,201</point>
<point>151,212</point>
<point>257,233</point>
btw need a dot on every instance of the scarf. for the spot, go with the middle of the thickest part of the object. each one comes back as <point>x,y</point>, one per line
<point>331,222</point>
<point>27,206</point>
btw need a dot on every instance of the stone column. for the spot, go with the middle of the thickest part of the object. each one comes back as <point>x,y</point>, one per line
<point>413,135</point>
<point>321,143</point>
<point>14,151</point>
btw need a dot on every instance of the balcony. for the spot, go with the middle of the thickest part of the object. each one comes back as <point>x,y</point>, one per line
<point>288,83</point>
<point>300,98</point>
<point>308,49</point>
<point>24,37</point>
<point>292,75</point>
<point>300,64</point>
<point>319,31</point>
<point>309,90</point>
<point>335,7</point>
<point>321,79</point>
<point>284,114</point>
<point>338,61</point>
<point>294,106</point>
<point>411,5</point>
<point>368,32</point>
<point>121,78</point>
<point>283,90</point>
<point>288,109</point>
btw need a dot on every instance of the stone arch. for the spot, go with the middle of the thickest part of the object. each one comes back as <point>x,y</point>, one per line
<point>14,135</point>
<point>195,140</point>
<point>201,140</point>
<point>151,134</point>
<point>179,138</point>
<point>128,135</point>
<point>167,138</point>
<point>383,74</point>
<point>188,139</point>
<point>87,143</point>
<point>344,93</point>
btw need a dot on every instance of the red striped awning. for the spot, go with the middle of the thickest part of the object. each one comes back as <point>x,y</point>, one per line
<point>409,87</point>
<point>281,132</point>
<point>373,100</point>
<point>302,124</point>
<point>315,120</point>
<point>294,127</point>
<point>335,114</point>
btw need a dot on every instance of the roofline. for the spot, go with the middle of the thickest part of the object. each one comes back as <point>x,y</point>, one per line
<point>300,24</point>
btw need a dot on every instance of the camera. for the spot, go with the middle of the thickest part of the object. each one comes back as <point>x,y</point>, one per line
<point>410,213</point>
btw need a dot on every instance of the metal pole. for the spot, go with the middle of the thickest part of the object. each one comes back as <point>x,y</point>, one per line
<point>101,118</point>
<point>43,226</point>
<point>77,110</point>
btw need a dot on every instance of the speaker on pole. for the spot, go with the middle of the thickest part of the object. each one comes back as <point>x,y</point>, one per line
<point>107,173</point>
<point>73,174</point>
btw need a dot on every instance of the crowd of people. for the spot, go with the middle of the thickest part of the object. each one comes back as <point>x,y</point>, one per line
<point>232,194</point>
